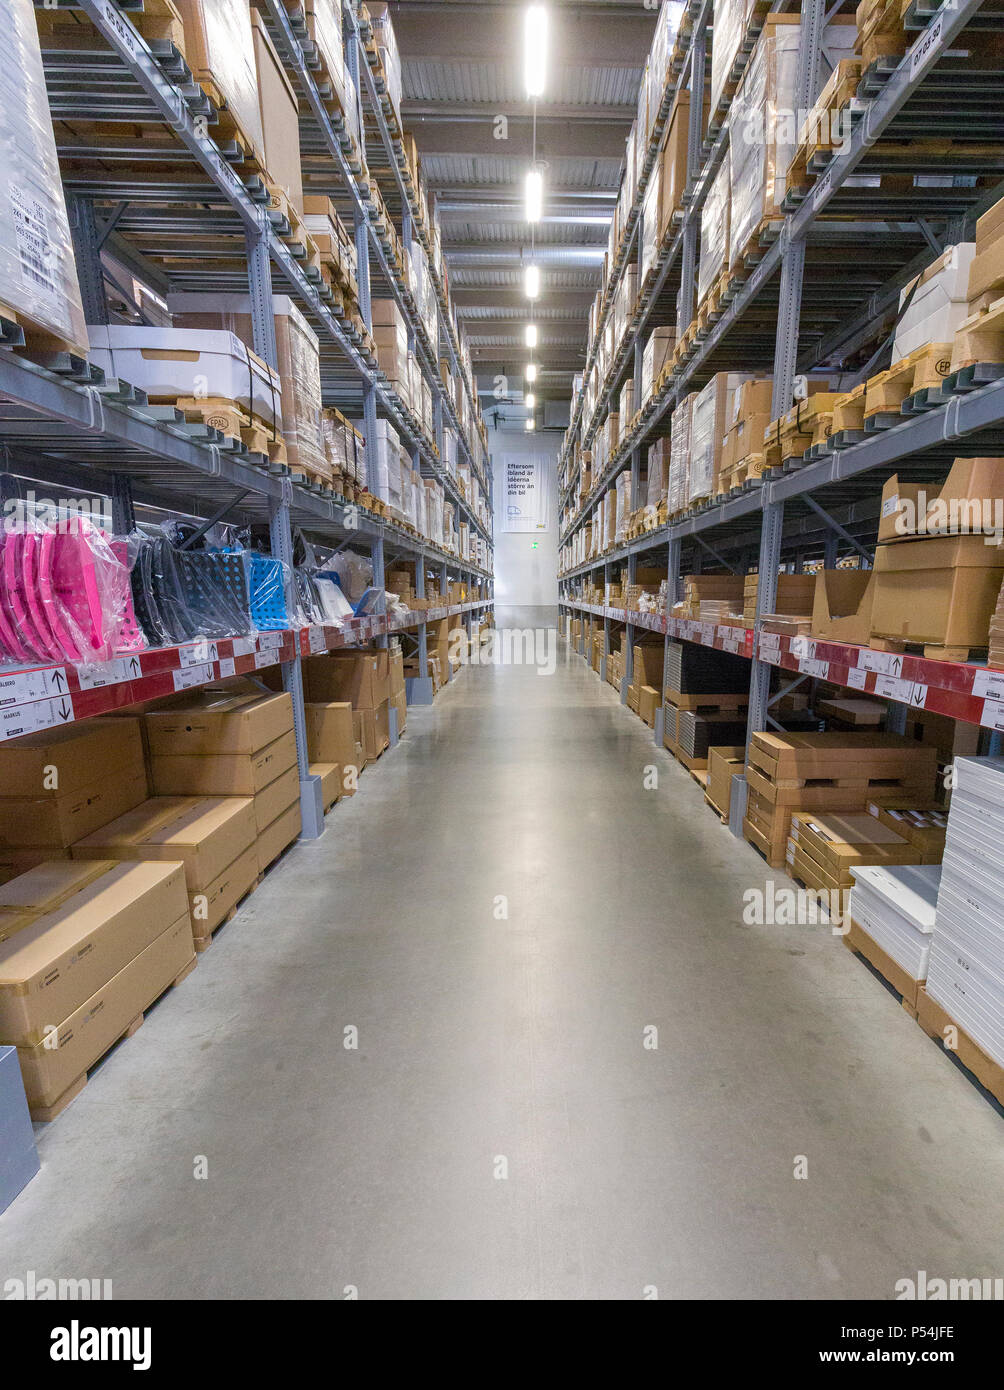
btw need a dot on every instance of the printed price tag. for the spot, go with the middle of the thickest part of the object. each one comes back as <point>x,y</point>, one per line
<point>770,639</point>
<point>32,685</point>
<point>802,647</point>
<point>198,653</point>
<point>820,669</point>
<point>243,646</point>
<point>993,714</point>
<point>989,685</point>
<point>193,675</point>
<point>884,663</point>
<point>102,673</point>
<point>318,640</point>
<point>893,689</point>
<point>731,645</point>
<point>856,678</point>
<point>227,668</point>
<point>40,714</point>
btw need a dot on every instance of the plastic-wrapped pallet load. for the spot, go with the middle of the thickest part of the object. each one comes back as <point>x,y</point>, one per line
<point>279,116</point>
<point>714,232</point>
<point>38,278</point>
<point>713,409</point>
<point>219,48</point>
<point>623,505</point>
<point>656,354</point>
<point>731,21</point>
<point>383,461</point>
<point>659,454</point>
<point>679,459</point>
<point>298,356</point>
<point>763,122</point>
<point>966,969</point>
<point>383,32</point>
<point>673,161</point>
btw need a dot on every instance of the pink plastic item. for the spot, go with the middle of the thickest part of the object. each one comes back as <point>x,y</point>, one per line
<point>8,635</point>
<point>30,647</point>
<point>37,546</point>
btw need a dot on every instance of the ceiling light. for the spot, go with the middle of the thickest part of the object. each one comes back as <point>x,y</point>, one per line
<point>532,280</point>
<point>529,422</point>
<point>531,401</point>
<point>534,195</point>
<point>535,49</point>
<point>531,335</point>
<point>531,371</point>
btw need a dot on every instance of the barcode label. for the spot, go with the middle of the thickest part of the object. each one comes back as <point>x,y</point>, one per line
<point>37,254</point>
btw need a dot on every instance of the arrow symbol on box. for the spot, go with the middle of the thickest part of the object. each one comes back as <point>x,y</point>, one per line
<point>58,678</point>
<point>897,665</point>
<point>918,697</point>
<point>64,712</point>
<point>134,666</point>
<point>213,651</point>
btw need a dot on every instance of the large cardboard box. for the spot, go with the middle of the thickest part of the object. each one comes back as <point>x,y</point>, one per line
<point>280,119</point>
<point>376,730</point>
<point>673,159</point>
<point>838,842</point>
<point>276,799</point>
<point>50,1066</point>
<point>78,755</point>
<point>362,678</point>
<point>67,927</point>
<point>275,837</point>
<point>212,723</point>
<point>329,733</point>
<point>56,821</point>
<point>226,774</point>
<point>219,48</point>
<point>331,782</point>
<point>214,837</point>
<point>971,500</point>
<point>723,764</point>
<point>842,606</point>
<point>941,591</point>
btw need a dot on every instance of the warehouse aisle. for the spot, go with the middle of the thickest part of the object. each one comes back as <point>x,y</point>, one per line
<point>502,1130</point>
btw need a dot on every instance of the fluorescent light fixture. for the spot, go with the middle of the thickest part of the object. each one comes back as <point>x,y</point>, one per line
<point>531,371</point>
<point>534,195</point>
<point>531,401</point>
<point>535,49</point>
<point>529,422</point>
<point>532,281</point>
<point>531,335</point>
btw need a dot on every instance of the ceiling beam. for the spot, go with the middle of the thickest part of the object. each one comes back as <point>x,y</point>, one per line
<point>513,297</point>
<point>412,110</point>
<point>555,139</point>
<point>581,36</point>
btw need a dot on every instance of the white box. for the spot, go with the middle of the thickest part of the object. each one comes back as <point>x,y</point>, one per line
<point>939,304</point>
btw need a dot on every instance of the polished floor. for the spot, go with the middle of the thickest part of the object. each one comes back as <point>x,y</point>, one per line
<point>505,913</point>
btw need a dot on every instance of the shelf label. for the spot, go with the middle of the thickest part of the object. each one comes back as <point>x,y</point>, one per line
<point>883,663</point>
<point>101,673</point>
<point>269,641</point>
<point>40,714</point>
<point>227,668</point>
<point>197,653</point>
<point>318,640</point>
<point>802,647</point>
<point>926,46</point>
<point>243,646</point>
<point>856,678</point>
<point>823,188</point>
<point>731,645</point>
<point>993,714</point>
<point>808,667</point>
<point>25,686</point>
<point>707,633</point>
<point>989,685</point>
<point>905,692</point>
<point>193,675</point>
<point>770,639</point>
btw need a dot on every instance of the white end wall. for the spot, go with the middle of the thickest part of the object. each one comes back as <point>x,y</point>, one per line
<point>526,579</point>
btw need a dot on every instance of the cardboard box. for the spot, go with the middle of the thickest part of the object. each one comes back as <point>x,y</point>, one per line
<point>221,894</point>
<point>331,782</point>
<point>280,120</point>
<point>361,678</point>
<point>215,724</point>
<point>941,591</point>
<point>275,837</point>
<point>57,821</point>
<point>723,764</point>
<point>229,774</point>
<point>330,737</point>
<point>921,822</point>
<point>219,48</point>
<point>51,1066</point>
<point>648,703</point>
<point>399,703</point>
<point>972,497</point>
<point>78,754</point>
<point>275,799</point>
<point>839,842</point>
<point>396,671</point>
<point>375,730</point>
<point>66,928</point>
<point>206,833</point>
<point>842,606</point>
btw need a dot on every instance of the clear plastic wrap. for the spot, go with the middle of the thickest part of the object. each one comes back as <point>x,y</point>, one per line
<point>267,586</point>
<point>64,590</point>
<point>658,472</point>
<point>183,592</point>
<point>38,277</point>
<point>731,20</point>
<point>623,489</point>
<point>353,573</point>
<point>383,31</point>
<point>383,464</point>
<point>679,458</point>
<point>714,231</point>
<point>335,607</point>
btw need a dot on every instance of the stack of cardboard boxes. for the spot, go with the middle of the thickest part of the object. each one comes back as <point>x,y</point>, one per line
<point>360,679</point>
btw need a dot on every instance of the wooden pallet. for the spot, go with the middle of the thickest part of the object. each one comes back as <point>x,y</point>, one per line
<point>755,245</point>
<point>18,330</point>
<point>939,1025</point>
<point>857,940</point>
<point>931,651</point>
<point>723,816</point>
<point>225,415</point>
<point>923,368</point>
<point>980,338</point>
<point>44,1114</point>
<point>707,704</point>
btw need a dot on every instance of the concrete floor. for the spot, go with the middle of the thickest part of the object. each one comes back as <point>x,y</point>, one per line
<point>480,1040</point>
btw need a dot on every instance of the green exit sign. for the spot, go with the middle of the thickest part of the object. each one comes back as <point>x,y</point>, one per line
<point>533,545</point>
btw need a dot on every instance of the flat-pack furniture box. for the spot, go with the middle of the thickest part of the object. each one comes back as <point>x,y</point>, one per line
<point>971,499</point>
<point>280,121</point>
<point>935,303</point>
<point>214,837</point>
<point>724,762</point>
<point>360,677</point>
<point>214,722</point>
<point>298,357</point>
<point>941,591</point>
<point>330,737</point>
<point>38,277</point>
<point>68,926</point>
<point>222,774</point>
<point>179,363</point>
<point>842,606</point>
<point>219,48</point>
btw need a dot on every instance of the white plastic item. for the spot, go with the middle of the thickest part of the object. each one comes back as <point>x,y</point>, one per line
<point>383,463</point>
<point>38,277</point>
<point>170,362</point>
<point>939,302</point>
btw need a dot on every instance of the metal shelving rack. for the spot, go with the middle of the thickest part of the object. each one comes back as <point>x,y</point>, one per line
<point>62,423</point>
<point>807,281</point>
